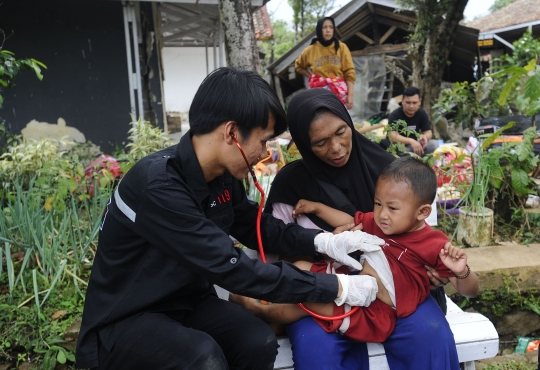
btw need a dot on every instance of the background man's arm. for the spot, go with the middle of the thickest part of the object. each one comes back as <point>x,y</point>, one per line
<point>415,145</point>
<point>425,137</point>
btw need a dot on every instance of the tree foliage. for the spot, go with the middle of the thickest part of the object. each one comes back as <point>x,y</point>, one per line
<point>431,42</point>
<point>282,42</point>
<point>499,4</point>
<point>11,67</point>
<point>306,13</point>
<point>525,48</point>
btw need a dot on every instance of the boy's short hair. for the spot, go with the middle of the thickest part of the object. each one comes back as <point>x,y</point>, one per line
<point>419,175</point>
<point>242,96</point>
<point>412,91</point>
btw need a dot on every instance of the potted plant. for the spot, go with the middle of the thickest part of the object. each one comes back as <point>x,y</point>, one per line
<point>475,225</point>
<point>500,182</point>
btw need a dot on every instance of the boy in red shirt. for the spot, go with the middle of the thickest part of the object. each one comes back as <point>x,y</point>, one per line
<point>404,193</point>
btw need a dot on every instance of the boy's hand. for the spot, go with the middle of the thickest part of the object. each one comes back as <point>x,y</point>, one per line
<point>454,258</point>
<point>305,206</point>
<point>347,227</point>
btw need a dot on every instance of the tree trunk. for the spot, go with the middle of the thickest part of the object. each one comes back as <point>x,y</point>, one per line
<point>431,43</point>
<point>239,34</point>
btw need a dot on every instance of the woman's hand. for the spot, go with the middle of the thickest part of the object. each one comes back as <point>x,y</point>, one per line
<point>350,101</point>
<point>350,95</point>
<point>435,280</point>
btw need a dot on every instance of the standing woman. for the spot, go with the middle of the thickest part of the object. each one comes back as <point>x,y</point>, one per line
<point>334,154</point>
<point>327,63</point>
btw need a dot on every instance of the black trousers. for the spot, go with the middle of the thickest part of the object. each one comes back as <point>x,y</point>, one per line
<point>217,334</point>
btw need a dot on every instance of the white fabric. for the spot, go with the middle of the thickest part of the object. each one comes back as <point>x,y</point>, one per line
<point>284,213</point>
<point>338,246</point>
<point>358,290</point>
<point>376,258</point>
<point>122,206</point>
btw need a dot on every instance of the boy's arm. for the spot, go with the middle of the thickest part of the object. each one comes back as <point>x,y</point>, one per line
<point>466,281</point>
<point>331,216</point>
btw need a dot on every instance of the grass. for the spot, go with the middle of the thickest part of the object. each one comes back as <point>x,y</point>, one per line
<point>512,365</point>
<point>46,258</point>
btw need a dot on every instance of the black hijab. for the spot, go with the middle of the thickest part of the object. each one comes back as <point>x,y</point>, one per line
<point>356,179</point>
<point>320,37</point>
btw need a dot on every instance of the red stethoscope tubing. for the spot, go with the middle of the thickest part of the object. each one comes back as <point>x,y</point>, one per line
<point>259,240</point>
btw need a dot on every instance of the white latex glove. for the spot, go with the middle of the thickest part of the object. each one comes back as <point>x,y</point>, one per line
<point>338,246</point>
<point>357,290</point>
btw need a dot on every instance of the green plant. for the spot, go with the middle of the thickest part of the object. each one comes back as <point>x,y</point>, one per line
<point>144,140</point>
<point>501,174</point>
<point>11,67</point>
<point>511,365</point>
<point>399,126</point>
<point>525,48</point>
<point>6,137</point>
<point>36,338</point>
<point>528,80</point>
<point>46,255</point>
<point>465,102</point>
<point>461,100</point>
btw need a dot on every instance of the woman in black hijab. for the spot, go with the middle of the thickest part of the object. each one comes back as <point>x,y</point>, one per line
<point>327,62</point>
<point>338,162</point>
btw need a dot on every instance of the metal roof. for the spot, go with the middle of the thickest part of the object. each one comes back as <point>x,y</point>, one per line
<point>519,14</point>
<point>354,26</point>
<point>196,22</point>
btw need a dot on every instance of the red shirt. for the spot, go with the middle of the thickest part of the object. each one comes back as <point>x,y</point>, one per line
<point>407,254</point>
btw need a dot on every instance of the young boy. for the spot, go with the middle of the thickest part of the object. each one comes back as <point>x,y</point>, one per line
<point>403,196</point>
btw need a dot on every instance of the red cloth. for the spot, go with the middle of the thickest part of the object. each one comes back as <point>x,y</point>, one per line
<point>407,254</point>
<point>337,85</point>
<point>373,323</point>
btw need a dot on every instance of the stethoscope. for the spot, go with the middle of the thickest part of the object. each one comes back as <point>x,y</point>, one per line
<point>259,238</point>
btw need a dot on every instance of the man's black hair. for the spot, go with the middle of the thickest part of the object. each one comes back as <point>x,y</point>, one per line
<point>242,96</point>
<point>412,91</point>
<point>419,175</point>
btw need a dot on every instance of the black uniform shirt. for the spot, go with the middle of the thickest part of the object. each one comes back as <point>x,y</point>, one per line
<point>419,122</point>
<point>164,241</point>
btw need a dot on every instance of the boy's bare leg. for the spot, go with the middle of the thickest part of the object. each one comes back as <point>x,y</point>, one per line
<point>282,313</point>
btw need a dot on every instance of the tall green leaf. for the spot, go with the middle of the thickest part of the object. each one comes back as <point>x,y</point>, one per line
<point>491,138</point>
<point>507,89</point>
<point>520,181</point>
<point>532,86</point>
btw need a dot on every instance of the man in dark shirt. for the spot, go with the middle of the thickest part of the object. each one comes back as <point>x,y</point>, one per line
<point>164,241</point>
<point>417,120</point>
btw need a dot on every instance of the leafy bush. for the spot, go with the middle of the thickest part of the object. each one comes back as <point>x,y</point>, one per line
<point>144,140</point>
<point>512,365</point>
<point>50,212</point>
<point>525,48</point>
<point>11,67</point>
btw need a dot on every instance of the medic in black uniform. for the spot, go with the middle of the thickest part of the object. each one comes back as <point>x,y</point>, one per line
<point>164,241</point>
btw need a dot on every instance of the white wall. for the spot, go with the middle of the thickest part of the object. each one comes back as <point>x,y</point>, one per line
<point>185,69</point>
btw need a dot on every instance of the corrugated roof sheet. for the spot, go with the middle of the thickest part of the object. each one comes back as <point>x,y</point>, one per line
<point>518,12</point>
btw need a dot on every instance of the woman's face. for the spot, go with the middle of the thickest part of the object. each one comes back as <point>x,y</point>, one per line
<point>327,30</point>
<point>331,139</point>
